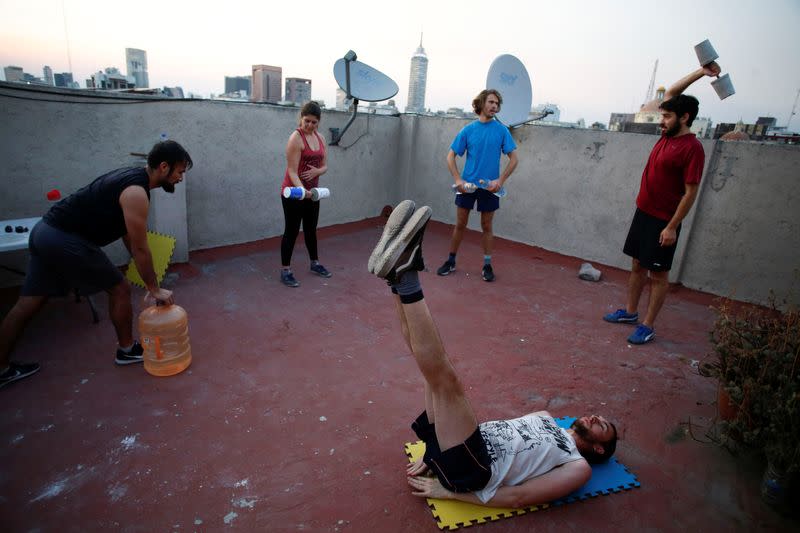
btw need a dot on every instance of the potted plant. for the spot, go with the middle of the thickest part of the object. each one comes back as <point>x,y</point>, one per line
<point>757,361</point>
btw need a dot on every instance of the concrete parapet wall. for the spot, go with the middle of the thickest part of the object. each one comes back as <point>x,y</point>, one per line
<point>573,192</point>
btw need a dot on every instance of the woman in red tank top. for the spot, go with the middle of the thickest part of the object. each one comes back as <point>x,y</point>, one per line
<point>306,161</point>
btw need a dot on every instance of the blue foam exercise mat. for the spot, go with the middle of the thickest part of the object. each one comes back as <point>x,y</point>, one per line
<point>607,478</point>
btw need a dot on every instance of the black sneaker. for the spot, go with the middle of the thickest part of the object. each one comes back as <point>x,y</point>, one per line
<point>287,278</point>
<point>487,273</point>
<point>136,355</point>
<point>17,371</point>
<point>446,268</point>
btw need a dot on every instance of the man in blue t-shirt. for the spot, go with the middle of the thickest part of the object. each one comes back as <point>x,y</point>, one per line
<point>483,141</point>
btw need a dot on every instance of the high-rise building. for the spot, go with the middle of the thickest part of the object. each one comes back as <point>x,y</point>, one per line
<point>235,84</point>
<point>62,79</point>
<point>417,81</point>
<point>48,75</point>
<point>137,66</point>
<point>13,73</point>
<point>267,83</point>
<point>298,90</point>
<point>343,103</point>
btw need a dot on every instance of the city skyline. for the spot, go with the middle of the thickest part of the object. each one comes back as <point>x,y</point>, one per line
<point>591,60</point>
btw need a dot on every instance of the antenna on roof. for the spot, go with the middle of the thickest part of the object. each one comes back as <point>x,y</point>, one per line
<point>508,75</point>
<point>360,82</point>
<point>649,95</point>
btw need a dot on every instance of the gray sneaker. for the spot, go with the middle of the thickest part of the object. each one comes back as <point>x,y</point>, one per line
<point>404,251</point>
<point>397,220</point>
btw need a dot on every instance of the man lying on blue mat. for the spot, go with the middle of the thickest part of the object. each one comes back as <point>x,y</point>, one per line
<point>506,463</point>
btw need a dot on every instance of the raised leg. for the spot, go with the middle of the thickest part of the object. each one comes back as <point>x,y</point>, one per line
<point>455,419</point>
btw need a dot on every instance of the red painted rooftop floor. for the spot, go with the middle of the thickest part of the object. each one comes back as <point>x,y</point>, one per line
<point>293,414</point>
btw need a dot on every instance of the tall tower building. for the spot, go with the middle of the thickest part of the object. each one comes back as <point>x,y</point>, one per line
<point>267,83</point>
<point>298,90</point>
<point>137,66</point>
<point>417,80</point>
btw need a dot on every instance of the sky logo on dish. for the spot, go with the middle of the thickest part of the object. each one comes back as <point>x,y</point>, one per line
<point>508,79</point>
<point>366,75</point>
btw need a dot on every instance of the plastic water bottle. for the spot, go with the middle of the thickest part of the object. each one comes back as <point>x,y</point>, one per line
<point>318,193</point>
<point>164,333</point>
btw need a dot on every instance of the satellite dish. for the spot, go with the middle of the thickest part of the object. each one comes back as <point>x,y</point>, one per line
<point>366,83</point>
<point>359,81</point>
<point>508,75</point>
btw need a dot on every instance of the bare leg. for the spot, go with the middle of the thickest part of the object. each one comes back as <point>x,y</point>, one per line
<point>488,237</point>
<point>462,217</point>
<point>121,312</point>
<point>404,328</point>
<point>455,419</point>
<point>14,323</point>
<point>636,284</point>
<point>659,285</point>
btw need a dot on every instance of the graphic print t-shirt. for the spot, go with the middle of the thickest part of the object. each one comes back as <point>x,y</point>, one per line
<point>523,448</point>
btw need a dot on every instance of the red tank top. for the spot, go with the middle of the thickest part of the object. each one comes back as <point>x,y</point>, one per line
<point>308,158</point>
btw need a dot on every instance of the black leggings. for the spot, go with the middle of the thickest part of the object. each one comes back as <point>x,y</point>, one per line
<point>295,212</point>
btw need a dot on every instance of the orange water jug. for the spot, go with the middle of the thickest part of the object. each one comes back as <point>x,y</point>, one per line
<point>164,332</point>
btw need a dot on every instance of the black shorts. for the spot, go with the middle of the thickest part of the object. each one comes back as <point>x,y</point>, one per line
<point>487,201</point>
<point>61,261</point>
<point>462,468</point>
<point>642,242</point>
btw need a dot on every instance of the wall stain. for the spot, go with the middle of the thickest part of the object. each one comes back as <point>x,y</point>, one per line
<point>596,152</point>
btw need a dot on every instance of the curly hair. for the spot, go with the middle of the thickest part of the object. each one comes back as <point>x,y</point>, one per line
<point>479,101</point>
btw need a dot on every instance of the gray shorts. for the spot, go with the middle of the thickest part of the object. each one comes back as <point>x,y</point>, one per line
<point>61,262</point>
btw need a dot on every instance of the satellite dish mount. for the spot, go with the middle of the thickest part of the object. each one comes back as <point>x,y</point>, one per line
<point>337,135</point>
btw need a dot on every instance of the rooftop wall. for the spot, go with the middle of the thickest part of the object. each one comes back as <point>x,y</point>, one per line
<point>573,192</point>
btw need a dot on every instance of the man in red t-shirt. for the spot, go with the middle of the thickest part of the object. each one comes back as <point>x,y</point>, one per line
<point>669,187</point>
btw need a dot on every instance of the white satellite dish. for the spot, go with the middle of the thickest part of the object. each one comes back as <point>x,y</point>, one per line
<point>508,75</point>
<point>366,83</point>
<point>359,81</point>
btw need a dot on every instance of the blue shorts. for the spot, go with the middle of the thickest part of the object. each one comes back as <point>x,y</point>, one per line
<point>487,201</point>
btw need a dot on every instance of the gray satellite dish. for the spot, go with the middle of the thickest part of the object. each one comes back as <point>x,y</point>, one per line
<point>507,74</point>
<point>360,82</point>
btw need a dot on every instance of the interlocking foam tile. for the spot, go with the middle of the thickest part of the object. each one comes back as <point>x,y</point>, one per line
<point>607,478</point>
<point>161,248</point>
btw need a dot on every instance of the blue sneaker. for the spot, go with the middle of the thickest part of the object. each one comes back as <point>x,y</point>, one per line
<point>642,335</point>
<point>621,316</point>
<point>320,270</point>
<point>287,278</point>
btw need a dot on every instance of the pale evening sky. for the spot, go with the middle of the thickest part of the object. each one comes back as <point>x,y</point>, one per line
<point>590,58</point>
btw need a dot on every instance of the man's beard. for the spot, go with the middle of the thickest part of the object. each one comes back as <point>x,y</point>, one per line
<point>581,430</point>
<point>671,132</point>
<point>168,187</point>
